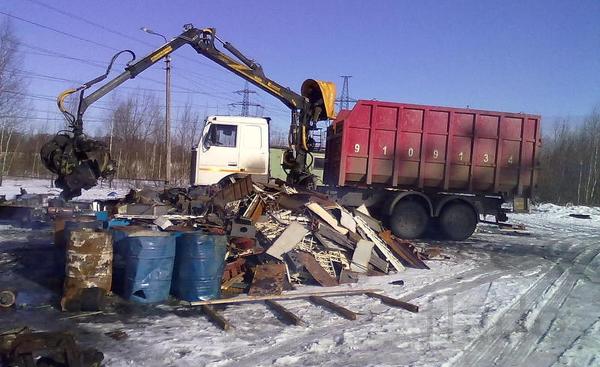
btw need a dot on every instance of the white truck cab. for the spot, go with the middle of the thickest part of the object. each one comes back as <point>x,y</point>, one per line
<point>230,145</point>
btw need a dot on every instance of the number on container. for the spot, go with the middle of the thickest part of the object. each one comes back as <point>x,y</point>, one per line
<point>486,158</point>
<point>510,160</point>
<point>356,148</point>
<point>435,154</point>
<point>460,156</point>
<point>384,150</point>
<point>411,152</point>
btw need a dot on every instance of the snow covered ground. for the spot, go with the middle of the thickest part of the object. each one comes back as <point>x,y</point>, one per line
<point>501,299</point>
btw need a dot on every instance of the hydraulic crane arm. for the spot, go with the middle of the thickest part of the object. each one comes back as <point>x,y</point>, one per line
<point>79,161</point>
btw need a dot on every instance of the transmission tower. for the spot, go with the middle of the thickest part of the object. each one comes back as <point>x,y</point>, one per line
<point>345,100</point>
<point>245,103</point>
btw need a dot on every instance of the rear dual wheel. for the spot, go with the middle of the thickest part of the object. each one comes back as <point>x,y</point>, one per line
<point>458,221</point>
<point>409,219</point>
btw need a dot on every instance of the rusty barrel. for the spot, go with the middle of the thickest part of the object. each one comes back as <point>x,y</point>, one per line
<point>76,223</point>
<point>88,270</point>
<point>199,264</point>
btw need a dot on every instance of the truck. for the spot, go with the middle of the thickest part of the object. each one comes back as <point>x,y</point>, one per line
<point>413,166</point>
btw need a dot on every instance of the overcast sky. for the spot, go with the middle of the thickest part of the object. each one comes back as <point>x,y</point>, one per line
<point>538,57</point>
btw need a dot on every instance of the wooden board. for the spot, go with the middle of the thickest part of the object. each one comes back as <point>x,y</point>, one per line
<point>268,279</point>
<point>381,246</point>
<point>394,302</point>
<point>290,295</point>
<point>292,235</point>
<point>283,314</point>
<point>316,270</point>
<point>334,307</point>
<point>215,318</point>
<point>403,250</point>
<point>328,218</point>
<point>361,256</point>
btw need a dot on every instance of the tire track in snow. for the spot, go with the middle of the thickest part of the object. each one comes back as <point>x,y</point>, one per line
<point>544,297</point>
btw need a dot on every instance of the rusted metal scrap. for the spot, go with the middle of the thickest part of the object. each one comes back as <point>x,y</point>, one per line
<point>24,348</point>
<point>404,250</point>
<point>268,279</point>
<point>7,298</point>
<point>316,270</point>
<point>232,191</point>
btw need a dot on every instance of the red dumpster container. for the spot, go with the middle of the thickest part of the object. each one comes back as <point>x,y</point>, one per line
<point>433,148</point>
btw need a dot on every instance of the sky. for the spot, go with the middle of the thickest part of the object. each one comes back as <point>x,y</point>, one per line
<point>540,57</point>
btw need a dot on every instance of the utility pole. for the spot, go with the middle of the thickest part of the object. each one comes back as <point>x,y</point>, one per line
<point>245,103</point>
<point>167,106</point>
<point>345,100</point>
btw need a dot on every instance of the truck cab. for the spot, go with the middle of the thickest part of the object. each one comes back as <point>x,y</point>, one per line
<point>230,145</point>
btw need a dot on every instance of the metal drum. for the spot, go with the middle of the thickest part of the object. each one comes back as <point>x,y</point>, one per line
<point>89,257</point>
<point>148,266</point>
<point>199,266</point>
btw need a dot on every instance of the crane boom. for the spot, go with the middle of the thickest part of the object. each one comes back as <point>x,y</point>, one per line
<point>79,161</point>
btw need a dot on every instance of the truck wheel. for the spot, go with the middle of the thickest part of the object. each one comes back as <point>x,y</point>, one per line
<point>409,219</point>
<point>458,221</point>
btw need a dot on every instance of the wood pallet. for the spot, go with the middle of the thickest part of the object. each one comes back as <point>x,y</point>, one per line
<point>288,317</point>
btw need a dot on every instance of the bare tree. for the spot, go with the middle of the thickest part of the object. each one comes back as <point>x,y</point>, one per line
<point>12,89</point>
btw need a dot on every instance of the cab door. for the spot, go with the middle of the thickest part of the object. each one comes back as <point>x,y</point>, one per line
<point>254,149</point>
<point>218,153</point>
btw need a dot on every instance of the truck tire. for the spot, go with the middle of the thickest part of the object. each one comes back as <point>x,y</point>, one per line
<point>409,219</point>
<point>458,221</point>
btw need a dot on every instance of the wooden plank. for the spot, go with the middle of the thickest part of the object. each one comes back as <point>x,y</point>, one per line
<point>331,234</point>
<point>215,318</point>
<point>403,249</point>
<point>284,314</point>
<point>268,279</point>
<point>291,295</point>
<point>316,270</point>
<point>394,302</point>
<point>328,218</point>
<point>381,246</point>
<point>361,256</point>
<point>292,235</point>
<point>378,262</point>
<point>370,221</point>
<point>348,276</point>
<point>347,220</point>
<point>334,307</point>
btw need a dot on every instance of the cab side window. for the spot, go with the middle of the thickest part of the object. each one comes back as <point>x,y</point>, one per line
<point>222,136</point>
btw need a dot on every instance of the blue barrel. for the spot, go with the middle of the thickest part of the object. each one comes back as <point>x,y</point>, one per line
<point>119,247</point>
<point>199,266</point>
<point>148,267</point>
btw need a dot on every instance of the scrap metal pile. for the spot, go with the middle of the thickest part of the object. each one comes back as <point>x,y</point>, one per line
<point>205,246</point>
<point>280,236</point>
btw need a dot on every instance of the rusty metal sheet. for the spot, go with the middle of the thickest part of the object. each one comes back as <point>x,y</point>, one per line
<point>404,250</point>
<point>316,270</point>
<point>237,190</point>
<point>268,279</point>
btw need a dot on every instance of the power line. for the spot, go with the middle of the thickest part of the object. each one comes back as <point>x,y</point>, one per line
<point>112,31</point>
<point>91,62</point>
<point>59,31</point>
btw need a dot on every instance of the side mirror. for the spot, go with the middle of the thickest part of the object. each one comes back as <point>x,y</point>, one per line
<point>206,139</point>
<point>206,142</point>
